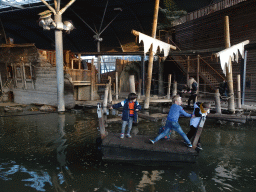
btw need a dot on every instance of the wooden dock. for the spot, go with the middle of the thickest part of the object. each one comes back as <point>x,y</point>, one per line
<point>139,149</point>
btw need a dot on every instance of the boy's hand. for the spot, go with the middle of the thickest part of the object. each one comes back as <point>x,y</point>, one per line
<point>136,109</point>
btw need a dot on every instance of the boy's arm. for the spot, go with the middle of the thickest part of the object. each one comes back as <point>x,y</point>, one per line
<point>185,113</point>
<point>116,106</point>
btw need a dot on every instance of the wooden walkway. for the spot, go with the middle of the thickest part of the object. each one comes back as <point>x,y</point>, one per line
<point>138,148</point>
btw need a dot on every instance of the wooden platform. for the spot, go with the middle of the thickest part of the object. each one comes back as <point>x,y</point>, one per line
<point>139,149</point>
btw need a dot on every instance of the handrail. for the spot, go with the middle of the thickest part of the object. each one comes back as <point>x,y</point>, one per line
<point>212,68</point>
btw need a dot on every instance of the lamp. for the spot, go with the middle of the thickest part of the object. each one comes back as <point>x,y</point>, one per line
<point>48,23</point>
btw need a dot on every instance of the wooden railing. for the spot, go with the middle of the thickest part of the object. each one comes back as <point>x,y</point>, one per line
<point>206,11</point>
<point>80,76</point>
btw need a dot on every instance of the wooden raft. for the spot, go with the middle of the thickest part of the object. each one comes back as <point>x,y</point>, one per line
<point>138,149</point>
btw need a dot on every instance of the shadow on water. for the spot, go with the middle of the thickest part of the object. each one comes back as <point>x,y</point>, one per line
<point>54,152</point>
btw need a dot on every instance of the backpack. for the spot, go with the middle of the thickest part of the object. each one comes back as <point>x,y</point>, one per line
<point>167,136</point>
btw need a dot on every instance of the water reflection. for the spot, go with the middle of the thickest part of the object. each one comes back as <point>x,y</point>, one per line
<point>53,152</point>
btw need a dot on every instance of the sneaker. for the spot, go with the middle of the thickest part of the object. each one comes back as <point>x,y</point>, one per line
<point>151,141</point>
<point>122,136</point>
<point>189,145</point>
<point>129,136</point>
<point>199,146</point>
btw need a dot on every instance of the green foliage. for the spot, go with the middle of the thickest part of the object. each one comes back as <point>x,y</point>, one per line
<point>171,13</point>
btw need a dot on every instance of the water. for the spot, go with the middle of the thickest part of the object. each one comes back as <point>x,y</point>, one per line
<point>52,152</point>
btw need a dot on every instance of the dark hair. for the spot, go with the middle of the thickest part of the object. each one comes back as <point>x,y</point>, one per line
<point>206,105</point>
<point>132,96</point>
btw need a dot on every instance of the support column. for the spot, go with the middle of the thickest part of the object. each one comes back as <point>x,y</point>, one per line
<point>231,100</point>
<point>160,77</point>
<point>59,66</point>
<point>188,65</point>
<point>244,77</point>
<point>132,84</point>
<point>169,86</point>
<point>151,56</point>
<point>143,75</point>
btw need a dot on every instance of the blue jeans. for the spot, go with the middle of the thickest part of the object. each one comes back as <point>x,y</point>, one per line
<point>172,126</point>
<point>129,122</point>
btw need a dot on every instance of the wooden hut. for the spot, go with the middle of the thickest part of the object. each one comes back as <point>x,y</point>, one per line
<point>28,76</point>
<point>200,34</point>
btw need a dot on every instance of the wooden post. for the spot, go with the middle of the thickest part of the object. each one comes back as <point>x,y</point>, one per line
<point>105,100</point>
<point>99,66</point>
<point>103,132</point>
<point>231,101</point>
<point>132,84</point>
<point>238,92</point>
<point>174,90</point>
<point>169,86</point>
<point>110,90</point>
<point>120,81</point>
<point>188,63</point>
<point>199,131</point>
<point>217,102</point>
<point>139,91</point>
<point>197,76</point>
<point>116,85</point>
<point>151,56</point>
<point>244,76</point>
<point>79,61</point>
<point>160,78</point>
<point>93,80</point>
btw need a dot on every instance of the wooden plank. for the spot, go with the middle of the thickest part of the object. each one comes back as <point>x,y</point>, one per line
<point>138,148</point>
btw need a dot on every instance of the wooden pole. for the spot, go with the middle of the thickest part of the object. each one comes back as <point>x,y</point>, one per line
<point>93,80</point>
<point>217,101</point>
<point>169,86</point>
<point>160,78</point>
<point>174,90</point>
<point>116,85</point>
<point>110,90</point>
<point>188,65</point>
<point>238,92</point>
<point>151,56</point>
<point>103,132</point>
<point>139,91</point>
<point>105,100</point>
<point>231,101</point>
<point>199,131</point>
<point>132,84</point>
<point>197,75</point>
<point>244,76</point>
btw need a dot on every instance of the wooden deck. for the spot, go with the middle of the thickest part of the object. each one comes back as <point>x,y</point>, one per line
<point>139,149</point>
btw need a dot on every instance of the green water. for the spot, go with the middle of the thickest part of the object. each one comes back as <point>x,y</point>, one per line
<point>52,152</point>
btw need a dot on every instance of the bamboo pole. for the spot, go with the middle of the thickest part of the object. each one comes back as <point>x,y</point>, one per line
<point>151,56</point>
<point>231,102</point>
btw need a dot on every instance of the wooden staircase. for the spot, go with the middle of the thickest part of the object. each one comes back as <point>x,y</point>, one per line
<point>211,76</point>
